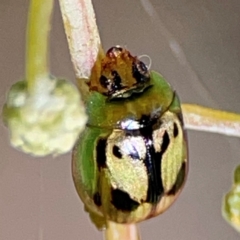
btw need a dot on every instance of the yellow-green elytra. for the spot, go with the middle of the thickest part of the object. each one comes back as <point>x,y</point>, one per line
<point>131,161</point>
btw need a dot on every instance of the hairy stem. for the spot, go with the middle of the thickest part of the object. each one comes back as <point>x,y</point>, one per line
<point>37,41</point>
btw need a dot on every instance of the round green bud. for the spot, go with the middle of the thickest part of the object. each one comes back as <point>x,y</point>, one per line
<point>47,120</point>
<point>231,202</point>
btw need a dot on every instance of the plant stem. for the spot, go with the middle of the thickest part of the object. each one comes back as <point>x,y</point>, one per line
<point>82,35</point>
<point>210,120</point>
<point>121,232</point>
<point>37,41</point>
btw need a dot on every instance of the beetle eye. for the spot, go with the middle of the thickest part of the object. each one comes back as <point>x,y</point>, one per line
<point>140,72</point>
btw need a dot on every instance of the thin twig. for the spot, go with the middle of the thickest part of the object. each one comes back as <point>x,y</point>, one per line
<point>39,22</point>
<point>210,120</point>
<point>122,232</point>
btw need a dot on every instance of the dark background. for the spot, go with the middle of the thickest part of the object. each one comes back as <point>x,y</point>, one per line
<point>196,46</point>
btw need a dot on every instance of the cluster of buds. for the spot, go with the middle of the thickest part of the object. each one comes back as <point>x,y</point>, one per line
<point>231,203</point>
<point>48,119</point>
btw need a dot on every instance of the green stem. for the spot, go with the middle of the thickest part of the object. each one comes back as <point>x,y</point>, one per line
<point>37,41</point>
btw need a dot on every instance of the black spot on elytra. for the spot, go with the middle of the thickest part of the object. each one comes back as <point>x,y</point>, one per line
<point>165,142</point>
<point>180,117</point>
<point>101,153</point>
<point>152,160</point>
<point>155,187</point>
<point>175,130</point>
<point>116,152</point>
<point>122,201</point>
<point>179,181</point>
<point>145,121</point>
<point>97,199</point>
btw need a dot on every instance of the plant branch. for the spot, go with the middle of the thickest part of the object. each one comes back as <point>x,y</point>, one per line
<point>82,35</point>
<point>37,41</point>
<point>121,232</point>
<point>210,120</point>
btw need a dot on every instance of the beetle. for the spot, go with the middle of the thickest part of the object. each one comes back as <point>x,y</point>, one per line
<point>131,161</point>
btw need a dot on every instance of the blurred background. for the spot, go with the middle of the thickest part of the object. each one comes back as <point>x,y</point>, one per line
<point>196,47</point>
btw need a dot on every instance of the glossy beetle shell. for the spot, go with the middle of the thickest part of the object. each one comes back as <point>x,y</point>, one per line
<point>130,163</point>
